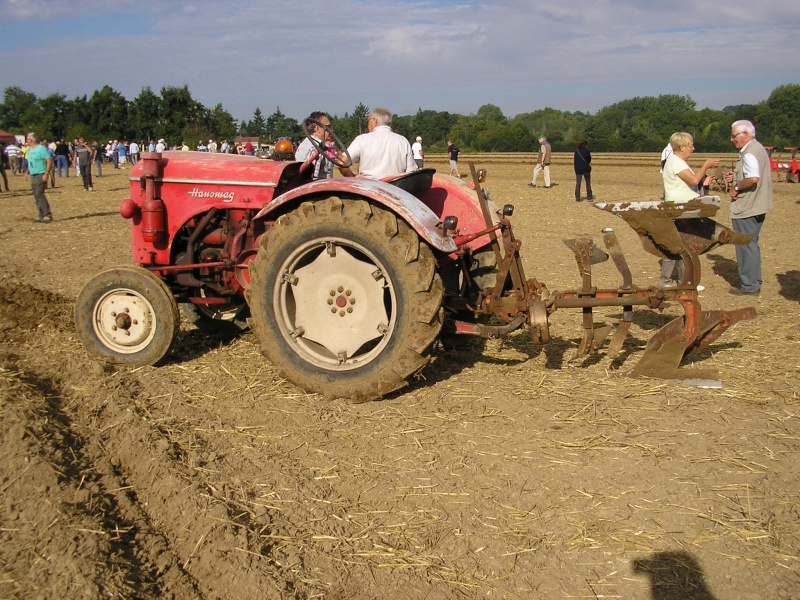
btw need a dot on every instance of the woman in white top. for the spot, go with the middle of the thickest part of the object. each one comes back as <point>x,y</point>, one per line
<point>681,184</point>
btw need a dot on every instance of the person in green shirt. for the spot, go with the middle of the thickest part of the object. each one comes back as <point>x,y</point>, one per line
<point>39,166</point>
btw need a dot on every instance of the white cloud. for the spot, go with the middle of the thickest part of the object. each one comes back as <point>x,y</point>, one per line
<point>442,55</point>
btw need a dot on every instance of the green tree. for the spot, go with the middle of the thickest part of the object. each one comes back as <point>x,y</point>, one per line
<point>463,132</point>
<point>359,118</point>
<point>404,125</point>
<point>511,137</point>
<point>484,131</point>
<point>180,117</point>
<point>18,110</point>
<point>777,120</point>
<point>108,114</point>
<point>489,115</point>
<point>635,124</point>
<point>641,123</point>
<point>143,116</point>
<point>433,127</point>
<point>257,127</point>
<point>279,125</point>
<point>222,123</point>
<point>343,127</point>
<point>79,117</point>
<point>563,129</point>
<point>351,125</point>
<point>54,116</point>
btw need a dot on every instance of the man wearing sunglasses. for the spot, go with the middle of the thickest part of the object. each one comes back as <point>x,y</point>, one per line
<point>751,198</point>
<point>323,167</point>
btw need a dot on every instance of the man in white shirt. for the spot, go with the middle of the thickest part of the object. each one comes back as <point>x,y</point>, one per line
<point>381,152</point>
<point>416,149</point>
<point>12,151</point>
<point>133,150</point>
<point>751,198</point>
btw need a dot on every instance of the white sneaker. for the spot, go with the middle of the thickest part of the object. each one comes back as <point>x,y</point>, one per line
<point>700,288</point>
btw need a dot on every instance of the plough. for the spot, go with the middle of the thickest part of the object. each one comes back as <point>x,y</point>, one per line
<point>667,230</point>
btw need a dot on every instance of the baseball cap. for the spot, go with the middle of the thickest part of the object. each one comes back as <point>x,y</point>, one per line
<point>419,139</point>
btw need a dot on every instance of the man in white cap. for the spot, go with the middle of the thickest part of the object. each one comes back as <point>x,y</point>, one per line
<point>543,164</point>
<point>416,148</point>
<point>161,146</point>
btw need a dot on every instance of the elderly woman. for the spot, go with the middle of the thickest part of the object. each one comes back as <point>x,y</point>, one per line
<point>681,184</point>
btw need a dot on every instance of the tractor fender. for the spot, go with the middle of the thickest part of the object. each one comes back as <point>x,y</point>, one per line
<point>408,207</point>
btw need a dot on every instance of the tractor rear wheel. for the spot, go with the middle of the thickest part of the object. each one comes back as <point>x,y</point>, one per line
<point>345,299</point>
<point>127,315</point>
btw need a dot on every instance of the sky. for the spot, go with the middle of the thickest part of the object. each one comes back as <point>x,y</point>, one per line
<point>442,55</point>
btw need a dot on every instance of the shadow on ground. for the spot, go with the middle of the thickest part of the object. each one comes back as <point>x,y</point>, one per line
<point>673,576</point>
<point>789,283</point>
<point>725,268</point>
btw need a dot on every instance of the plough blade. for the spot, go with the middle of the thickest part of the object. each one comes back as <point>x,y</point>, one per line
<point>620,334</point>
<point>592,340</point>
<point>615,251</point>
<point>667,348</point>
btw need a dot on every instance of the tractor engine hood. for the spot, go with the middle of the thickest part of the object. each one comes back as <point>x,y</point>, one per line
<point>230,177</point>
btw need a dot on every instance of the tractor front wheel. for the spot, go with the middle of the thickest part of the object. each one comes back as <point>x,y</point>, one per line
<point>127,315</point>
<point>345,299</point>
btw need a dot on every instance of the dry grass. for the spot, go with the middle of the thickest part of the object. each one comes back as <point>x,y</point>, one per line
<point>505,470</point>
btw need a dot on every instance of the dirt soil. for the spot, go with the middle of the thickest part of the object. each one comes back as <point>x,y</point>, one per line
<point>505,470</point>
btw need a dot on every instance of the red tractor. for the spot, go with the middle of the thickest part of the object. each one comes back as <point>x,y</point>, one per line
<point>348,282</point>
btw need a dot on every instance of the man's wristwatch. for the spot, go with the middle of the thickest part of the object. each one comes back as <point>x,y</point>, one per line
<point>736,189</point>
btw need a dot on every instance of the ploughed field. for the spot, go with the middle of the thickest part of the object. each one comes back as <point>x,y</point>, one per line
<point>505,470</point>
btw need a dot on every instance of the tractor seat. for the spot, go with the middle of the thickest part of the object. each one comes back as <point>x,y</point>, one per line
<point>416,182</point>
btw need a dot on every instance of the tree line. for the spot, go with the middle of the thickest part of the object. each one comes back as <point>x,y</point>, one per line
<point>640,124</point>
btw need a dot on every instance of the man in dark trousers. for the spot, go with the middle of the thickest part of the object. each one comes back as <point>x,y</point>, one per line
<point>39,166</point>
<point>751,198</point>
<point>583,170</point>
<point>83,155</point>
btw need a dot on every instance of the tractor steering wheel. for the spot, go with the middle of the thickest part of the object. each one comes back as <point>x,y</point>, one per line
<point>309,126</point>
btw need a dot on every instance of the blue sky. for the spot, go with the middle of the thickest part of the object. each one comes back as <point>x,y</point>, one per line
<point>446,55</point>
